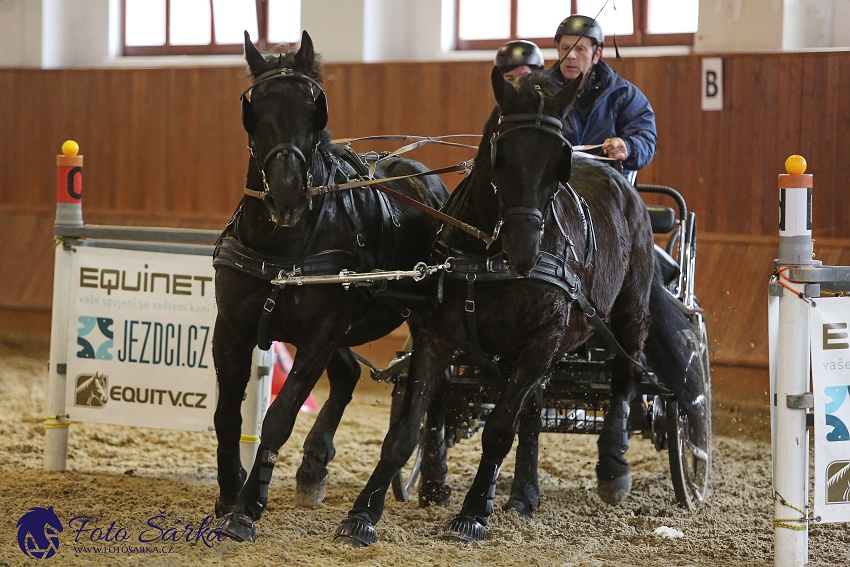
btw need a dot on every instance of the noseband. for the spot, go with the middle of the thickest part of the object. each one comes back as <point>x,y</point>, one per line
<point>512,124</point>
<point>318,95</point>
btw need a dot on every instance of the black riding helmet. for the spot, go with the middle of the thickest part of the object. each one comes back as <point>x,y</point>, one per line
<point>581,26</point>
<point>519,52</point>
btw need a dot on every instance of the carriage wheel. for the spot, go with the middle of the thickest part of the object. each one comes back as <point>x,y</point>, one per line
<point>689,445</point>
<point>405,481</point>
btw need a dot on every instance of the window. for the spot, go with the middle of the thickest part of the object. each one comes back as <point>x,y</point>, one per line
<point>487,24</point>
<point>205,27</point>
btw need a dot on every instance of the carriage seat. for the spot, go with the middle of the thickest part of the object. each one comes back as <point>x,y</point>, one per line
<point>663,218</point>
<point>663,221</point>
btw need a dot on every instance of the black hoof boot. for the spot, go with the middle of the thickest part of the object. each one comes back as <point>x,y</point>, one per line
<point>612,470</point>
<point>238,527</point>
<point>435,493</point>
<point>355,531</point>
<point>465,528</point>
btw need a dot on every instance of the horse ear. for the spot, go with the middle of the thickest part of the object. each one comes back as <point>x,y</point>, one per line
<point>306,55</point>
<point>501,87</point>
<point>255,59</point>
<point>565,98</point>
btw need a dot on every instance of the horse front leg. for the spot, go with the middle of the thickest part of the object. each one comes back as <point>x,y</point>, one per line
<point>431,356</point>
<point>310,361</point>
<point>343,373</point>
<point>496,441</point>
<point>232,358</point>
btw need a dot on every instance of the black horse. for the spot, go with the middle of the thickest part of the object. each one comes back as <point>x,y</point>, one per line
<point>279,229</point>
<point>567,261</point>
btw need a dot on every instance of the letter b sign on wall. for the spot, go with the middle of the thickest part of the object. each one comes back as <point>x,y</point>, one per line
<point>712,83</point>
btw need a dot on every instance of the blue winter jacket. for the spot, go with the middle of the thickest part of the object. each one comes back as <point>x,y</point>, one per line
<point>611,106</point>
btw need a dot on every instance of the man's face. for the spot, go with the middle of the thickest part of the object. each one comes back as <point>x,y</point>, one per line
<point>579,59</point>
<point>514,74</point>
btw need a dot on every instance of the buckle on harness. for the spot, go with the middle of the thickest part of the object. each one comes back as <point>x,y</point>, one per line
<point>469,306</point>
<point>269,306</point>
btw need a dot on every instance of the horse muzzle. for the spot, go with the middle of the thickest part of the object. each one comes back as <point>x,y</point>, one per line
<point>521,235</point>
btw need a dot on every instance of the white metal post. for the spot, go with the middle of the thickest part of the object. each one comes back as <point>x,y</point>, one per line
<point>790,436</point>
<point>69,219</point>
<point>257,397</point>
<point>56,421</point>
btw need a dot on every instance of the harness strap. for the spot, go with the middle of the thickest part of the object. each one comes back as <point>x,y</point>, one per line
<point>263,342</point>
<point>548,269</point>
<point>233,254</point>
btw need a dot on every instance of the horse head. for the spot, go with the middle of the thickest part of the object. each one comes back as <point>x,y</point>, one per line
<point>529,159</point>
<point>284,112</point>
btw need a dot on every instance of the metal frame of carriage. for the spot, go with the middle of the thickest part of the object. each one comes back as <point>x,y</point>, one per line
<point>578,387</point>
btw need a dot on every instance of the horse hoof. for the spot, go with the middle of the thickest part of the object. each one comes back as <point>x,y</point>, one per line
<point>614,479</point>
<point>355,532</point>
<point>435,493</point>
<point>238,527</point>
<point>465,528</point>
<point>522,508</point>
<point>309,496</point>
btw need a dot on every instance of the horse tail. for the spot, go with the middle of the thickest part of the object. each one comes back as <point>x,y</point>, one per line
<point>673,351</point>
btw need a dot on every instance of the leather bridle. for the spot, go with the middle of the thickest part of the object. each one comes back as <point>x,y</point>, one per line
<point>318,95</point>
<point>509,125</point>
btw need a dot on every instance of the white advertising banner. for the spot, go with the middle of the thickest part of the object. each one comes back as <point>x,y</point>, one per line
<point>830,332</point>
<point>140,339</point>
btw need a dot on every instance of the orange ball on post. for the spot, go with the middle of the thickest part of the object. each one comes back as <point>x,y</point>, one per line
<point>795,165</point>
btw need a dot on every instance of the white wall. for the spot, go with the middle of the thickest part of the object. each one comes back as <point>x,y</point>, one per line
<point>86,33</point>
<point>20,33</point>
<point>772,25</point>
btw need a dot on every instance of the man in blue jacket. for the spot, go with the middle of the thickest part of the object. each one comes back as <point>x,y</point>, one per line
<point>608,109</point>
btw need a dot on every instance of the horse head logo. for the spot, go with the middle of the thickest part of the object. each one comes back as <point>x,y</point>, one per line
<point>38,533</point>
<point>91,390</point>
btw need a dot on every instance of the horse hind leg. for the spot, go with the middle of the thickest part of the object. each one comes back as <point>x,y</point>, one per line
<point>630,324</point>
<point>613,475</point>
<point>343,373</point>
<point>525,488</point>
<point>434,490</point>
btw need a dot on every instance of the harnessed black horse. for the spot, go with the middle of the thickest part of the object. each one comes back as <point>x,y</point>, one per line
<point>569,260</point>
<point>279,230</point>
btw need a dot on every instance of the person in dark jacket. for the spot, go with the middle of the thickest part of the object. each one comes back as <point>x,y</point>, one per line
<point>609,109</point>
<point>517,58</point>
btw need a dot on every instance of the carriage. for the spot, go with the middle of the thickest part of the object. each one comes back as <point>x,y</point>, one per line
<point>577,389</point>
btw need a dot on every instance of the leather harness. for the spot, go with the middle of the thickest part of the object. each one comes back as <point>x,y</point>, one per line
<point>231,252</point>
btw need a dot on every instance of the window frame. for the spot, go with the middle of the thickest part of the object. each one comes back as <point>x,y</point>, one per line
<point>209,49</point>
<point>640,37</point>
